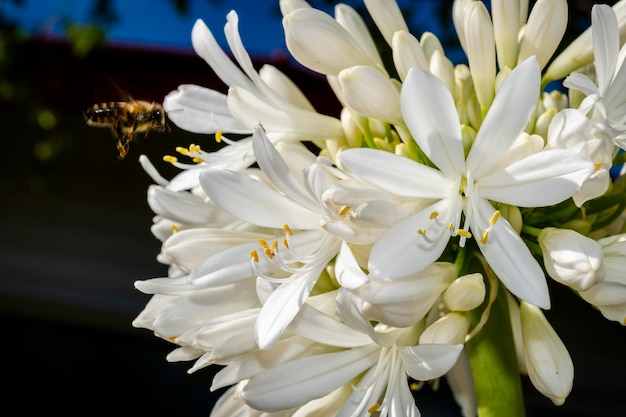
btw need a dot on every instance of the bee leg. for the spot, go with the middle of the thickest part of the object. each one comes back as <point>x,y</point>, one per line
<point>122,140</point>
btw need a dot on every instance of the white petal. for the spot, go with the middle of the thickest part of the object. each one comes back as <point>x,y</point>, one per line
<point>272,164</point>
<point>200,110</point>
<point>348,272</point>
<point>282,306</point>
<point>352,21</point>
<point>582,83</point>
<point>284,87</point>
<point>208,49</point>
<point>183,206</point>
<point>429,111</point>
<point>402,251</point>
<point>605,37</point>
<point>295,383</point>
<point>508,256</point>
<point>429,361</point>
<point>292,124</point>
<point>542,179</point>
<point>396,174</point>
<point>255,202</point>
<point>507,116</point>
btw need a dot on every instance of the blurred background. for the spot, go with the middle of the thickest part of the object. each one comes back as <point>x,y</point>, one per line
<point>76,225</point>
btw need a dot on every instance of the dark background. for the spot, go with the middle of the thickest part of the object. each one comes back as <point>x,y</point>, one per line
<point>76,235</point>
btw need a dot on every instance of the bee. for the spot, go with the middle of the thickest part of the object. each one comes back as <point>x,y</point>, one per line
<point>127,120</point>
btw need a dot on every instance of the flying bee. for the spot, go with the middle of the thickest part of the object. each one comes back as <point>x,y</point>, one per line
<point>127,120</point>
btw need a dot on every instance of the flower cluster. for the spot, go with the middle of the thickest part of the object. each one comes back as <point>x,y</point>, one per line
<point>331,265</point>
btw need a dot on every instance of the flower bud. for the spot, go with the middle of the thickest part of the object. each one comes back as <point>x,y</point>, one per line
<point>465,293</point>
<point>549,364</point>
<point>545,28</point>
<point>407,53</point>
<point>450,329</point>
<point>571,258</point>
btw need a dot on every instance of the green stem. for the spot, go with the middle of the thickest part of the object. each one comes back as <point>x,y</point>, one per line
<point>494,364</point>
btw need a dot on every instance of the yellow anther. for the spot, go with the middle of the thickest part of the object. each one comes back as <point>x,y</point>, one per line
<point>275,246</point>
<point>494,217</point>
<point>171,159</point>
<point>414,386</point>
<point>218,136</point>
<point>195,148</point>
<point>197,160</point>
<point>287,230</point>
<point>433,215</point>
<point>268,252</point>
<point>450,226</point>
<point>181,150</point>
<point>344,211</point>
<point>421,231</point>
<point>173,339</point>
<point>175,228</point>
<point>464,233</point>
<point>286,243</point>
<point>254,255</point>
<point>598,166</point>
<point>373,408</point>
<point>264,244</point>
<point>484,237</point>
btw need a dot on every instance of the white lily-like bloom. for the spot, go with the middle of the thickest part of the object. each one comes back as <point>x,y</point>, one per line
<point>293,208</point>
<point>549,364</point>
<point>605,101</point>
<point>464,185</point>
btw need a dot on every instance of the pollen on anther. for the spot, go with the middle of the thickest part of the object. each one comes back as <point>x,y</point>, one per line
<point>464,233</point>
<point>197,160</point>
<point>171,159</point>
<point>433,215</point>
<point>344,211</point>
<point>373,408</point>
<point>286,243</point>
<point>484,237</point>
<point>264,244</point>
<point>182,151</point>
<point>421,231</point>
<point>254,255</point>
<point>287,230</point>
<point>275,246</point>
<point>450,226</point>
<point>218,136</point>
<point>175,228</point>
<point>414,386</point>
<point>598,166</point>
<point>495,217</point>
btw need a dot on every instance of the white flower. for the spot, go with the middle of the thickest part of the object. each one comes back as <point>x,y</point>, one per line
<point>465,185</point>
<point>294,208</point>
<point>607,98</point>
<point>550,367</point>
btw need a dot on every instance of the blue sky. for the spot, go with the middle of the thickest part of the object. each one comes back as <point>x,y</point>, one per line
<point>156,23</point>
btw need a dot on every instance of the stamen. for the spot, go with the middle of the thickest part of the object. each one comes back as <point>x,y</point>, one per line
<point>494,217</point>
<point>287,230</point>
<point>218,136</point>
<point>464,233</point>
<point>344,211</point>
<point>254,256</point>
<point>197,160</point>
<point>373,408</point>
<point>414,386</point>
<point>421,231</point>
<point>433,215</point>
<point>286,243</point>
<point>598,166</point>
<point>171,159</point>
<point>275,246</point>
<point>182,151</point>
<point>175,228</point>
<point>484,237</point>
<point>450,226</point>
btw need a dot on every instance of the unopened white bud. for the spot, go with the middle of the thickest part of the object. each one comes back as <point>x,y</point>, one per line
<point>450,329</point>
<point>571,258</point>
<point>549,364</point>
<point>465,293</point>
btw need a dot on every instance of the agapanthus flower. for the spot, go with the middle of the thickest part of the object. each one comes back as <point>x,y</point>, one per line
<point>332,264</point>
